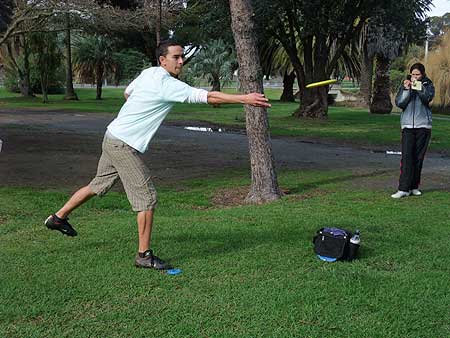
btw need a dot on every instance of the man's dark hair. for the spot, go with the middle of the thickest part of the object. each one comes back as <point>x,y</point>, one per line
<point>420,67</point>
<point>163,47</point>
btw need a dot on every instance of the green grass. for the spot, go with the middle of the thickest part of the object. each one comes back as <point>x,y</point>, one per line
<point>113,100</point>
<point>248,271</point>
<point>352,125</point>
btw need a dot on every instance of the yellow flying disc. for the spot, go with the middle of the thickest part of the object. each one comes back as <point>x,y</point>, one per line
<point>321,83</point>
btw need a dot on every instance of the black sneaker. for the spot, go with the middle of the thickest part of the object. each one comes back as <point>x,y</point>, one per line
<point>151,261</point>
<point>53,222</point>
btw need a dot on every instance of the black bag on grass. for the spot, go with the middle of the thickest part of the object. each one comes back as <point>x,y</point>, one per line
<point>332,244</point>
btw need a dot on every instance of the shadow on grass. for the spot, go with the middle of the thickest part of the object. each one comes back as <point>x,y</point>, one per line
<point>301,188</point>
<point>204,245</point>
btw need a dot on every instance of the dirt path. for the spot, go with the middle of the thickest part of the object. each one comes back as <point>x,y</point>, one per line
<point>61,150</point>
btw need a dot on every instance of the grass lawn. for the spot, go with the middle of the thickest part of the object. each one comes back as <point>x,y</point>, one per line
<point>352,125</point>
<point>248,271</point>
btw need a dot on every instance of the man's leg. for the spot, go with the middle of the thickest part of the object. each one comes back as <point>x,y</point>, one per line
<point>145,222</point>
<point>59,221</point>
<point>145,257</point>
<point>141,193</point>
<point>105,178</point>
<point>77,199</point>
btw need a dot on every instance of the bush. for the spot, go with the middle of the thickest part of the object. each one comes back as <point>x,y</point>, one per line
<point>128,64</point>
<point>396,80</point>
<point>11,82</point>
<point>56,70</point>
<point>56,80</point>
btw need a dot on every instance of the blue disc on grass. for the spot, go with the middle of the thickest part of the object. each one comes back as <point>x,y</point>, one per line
<point>173,271</point>
<point>327,259</point>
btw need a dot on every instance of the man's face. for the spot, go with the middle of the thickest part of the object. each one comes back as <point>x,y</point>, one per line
<point>173,61</point>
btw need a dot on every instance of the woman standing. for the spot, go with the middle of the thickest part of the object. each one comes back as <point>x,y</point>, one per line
<point>414,97</point>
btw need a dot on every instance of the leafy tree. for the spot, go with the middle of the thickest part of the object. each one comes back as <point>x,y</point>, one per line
<point>390,30</point>
<point>385,44</point>
<point>264,186</point>
<point>324,29</point>
<point>203,21</point>
<point>93,56</point>
<point>127,64</point>
<point>46,58</point>
<point>214,63</point>
<point>438,26</point>
<point>274,59</point>
<point>6,8</point>
<point>400,66</point>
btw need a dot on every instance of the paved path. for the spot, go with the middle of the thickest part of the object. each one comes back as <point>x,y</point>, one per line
<point>59,148</point>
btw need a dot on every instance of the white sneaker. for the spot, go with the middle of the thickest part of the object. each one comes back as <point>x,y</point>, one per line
<point>416,192</point>
<point>400,194</point>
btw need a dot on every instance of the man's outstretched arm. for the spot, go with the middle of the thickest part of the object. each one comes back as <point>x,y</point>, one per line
<point>254,99</point>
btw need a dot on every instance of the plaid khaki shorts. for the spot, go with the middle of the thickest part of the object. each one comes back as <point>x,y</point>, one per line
<point>119,160</point>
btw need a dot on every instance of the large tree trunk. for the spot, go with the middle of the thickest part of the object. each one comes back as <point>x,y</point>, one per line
<point>264,186</point>
<point>216,88</point>
<point>70,92</point>
<point>216,84</point>
<point>99,81</point>
<point>314,101</point>
<point>44,87</point>
<point>381,99</point>
<point>366,75</point>
<point>21,46</point>
<point>288,87</point>
<point>158,21</point>
<point>158,27</point>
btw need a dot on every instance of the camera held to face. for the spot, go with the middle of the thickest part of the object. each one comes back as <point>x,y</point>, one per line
<point>416,85</point>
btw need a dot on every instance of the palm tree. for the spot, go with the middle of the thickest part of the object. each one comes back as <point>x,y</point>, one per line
<point>390,30</point>
<point>366,76</point>
<point>214,63</point>
<point>275,59</point>
<point>384,43</point>
<point>93,56</point>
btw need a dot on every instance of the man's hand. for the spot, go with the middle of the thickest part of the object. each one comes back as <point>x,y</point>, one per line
<point>257,100</point>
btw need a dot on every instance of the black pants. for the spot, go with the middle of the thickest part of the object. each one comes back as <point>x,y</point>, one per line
<point>414,145</point>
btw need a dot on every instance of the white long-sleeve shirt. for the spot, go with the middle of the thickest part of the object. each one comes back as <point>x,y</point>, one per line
<point>151,96</point>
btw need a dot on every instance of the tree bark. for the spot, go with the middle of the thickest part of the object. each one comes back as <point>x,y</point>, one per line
<point>366,75</point>
<point>216,88</point>
<point>216,84</point>
<point>44,88</point>
<point>381,99</point>
<point>264,185</point>
<point>288,87</point>
<point>158,22</point>
<point>70,92</point>
<point>314,101</point>
<point>21,45</point>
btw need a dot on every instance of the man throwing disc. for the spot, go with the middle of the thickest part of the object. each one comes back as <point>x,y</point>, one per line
<point>149,99</point>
